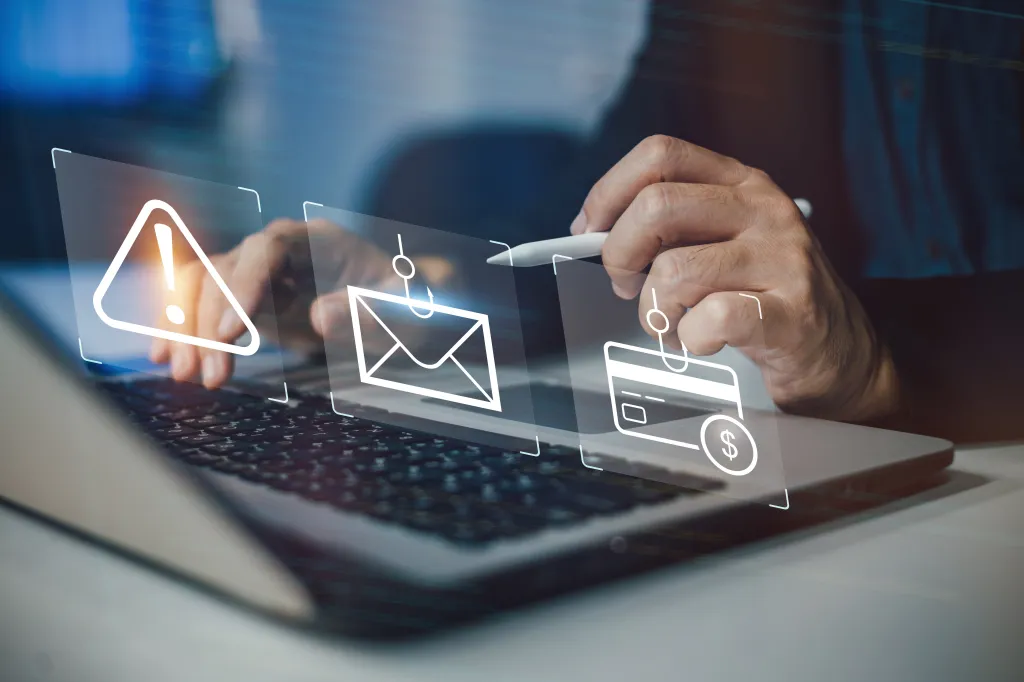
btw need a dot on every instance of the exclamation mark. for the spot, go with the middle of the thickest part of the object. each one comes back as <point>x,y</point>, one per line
<point>163,241</point>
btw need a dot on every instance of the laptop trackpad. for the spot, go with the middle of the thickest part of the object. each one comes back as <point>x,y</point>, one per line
<point>554,406</point>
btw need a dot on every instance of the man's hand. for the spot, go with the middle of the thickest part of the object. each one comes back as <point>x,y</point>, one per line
<point>710,227</point>
<point>278,255</point>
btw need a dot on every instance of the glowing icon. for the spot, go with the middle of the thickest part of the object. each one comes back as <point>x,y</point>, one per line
<point>476,326</point>
<point>729,450</point>
<point>737,461</point>
<point>164,241</point>
<point>643,393</point>
<point>174,313</point>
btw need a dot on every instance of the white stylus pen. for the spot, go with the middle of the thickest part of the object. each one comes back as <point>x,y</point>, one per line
<point>575,246</point>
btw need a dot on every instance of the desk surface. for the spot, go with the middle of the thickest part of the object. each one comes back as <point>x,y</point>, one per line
<point>925,590</point>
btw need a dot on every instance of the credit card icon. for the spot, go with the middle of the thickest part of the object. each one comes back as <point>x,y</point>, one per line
<point>650,389</point>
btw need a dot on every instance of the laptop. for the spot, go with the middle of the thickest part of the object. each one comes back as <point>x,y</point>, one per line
<point>322,514</point>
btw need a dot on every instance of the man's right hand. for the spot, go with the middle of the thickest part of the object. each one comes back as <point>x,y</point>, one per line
<point>709,228</point>
<point>278,255</point>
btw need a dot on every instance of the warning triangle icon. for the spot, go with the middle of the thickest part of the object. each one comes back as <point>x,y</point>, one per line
<point>122,253</point>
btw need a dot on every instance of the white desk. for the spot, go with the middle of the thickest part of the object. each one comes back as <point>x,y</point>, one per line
<point>929,591</point>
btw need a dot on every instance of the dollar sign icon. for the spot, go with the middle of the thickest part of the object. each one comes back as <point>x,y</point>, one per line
<point>730,431</point>
<point>730,450</point>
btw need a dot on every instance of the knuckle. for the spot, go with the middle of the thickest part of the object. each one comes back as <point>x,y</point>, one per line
<point>775,213</point>
<point>653,203</point>
<point>719,311</point>
<point>785,211</point>
<point>660,151</point>
<point>666,268</point>
<point>678,265</point>
<point>657,146</point>
<point>759,176</point>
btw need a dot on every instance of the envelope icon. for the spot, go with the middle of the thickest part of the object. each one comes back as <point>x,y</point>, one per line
<point>477,325</point>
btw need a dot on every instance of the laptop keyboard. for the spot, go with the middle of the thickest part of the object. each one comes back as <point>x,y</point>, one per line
<point>466,493</point>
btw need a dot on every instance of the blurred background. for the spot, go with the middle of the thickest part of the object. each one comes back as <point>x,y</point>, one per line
<point>377,107</point>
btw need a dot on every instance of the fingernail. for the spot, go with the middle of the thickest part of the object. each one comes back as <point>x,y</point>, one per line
<point>210,367</point>
<point>181,362</point>
<point>619,291</point>
<point>227,324</point>
<point>579,224</point>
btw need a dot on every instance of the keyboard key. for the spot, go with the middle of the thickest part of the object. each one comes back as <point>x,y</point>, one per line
<point>172,431</point>
<point>199,438</point>
<point>469,494</point>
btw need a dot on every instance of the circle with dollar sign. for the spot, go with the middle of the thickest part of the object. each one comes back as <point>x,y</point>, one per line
<point>727,451</point>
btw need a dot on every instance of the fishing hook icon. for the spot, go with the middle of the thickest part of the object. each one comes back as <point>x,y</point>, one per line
<point>401,257</point>
<point>661,331</point>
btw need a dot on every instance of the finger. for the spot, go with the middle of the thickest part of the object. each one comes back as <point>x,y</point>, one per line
<point>725,318</point>
<point>216,365</point>
<point>159,351</point>
<point>357,261</point>
<point>331,315</point>
<point>665,215</point>
<point>661,307</point>
<point>691,272</point>
<point>184,356</point>
<point>656,159</point>
<point>184,361</point>
<point>260,257</point>
<point>681,278</point>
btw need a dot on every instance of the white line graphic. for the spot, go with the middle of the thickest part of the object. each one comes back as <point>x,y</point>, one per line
<point>532,454</point>
<point>364,299</point>
<point>53,158</point>
<point>759,315</point>
<point>335,409</point>
<point>122,253</point>
<point>668,380</point>
<point>305,209</point>
<point>584,460</point>
<point>703,441</point>
<point>775,506</point>
<point>507,248</point>
<point>284,400</point>
<point>557,257</point>
<point>82,353</point>
<point>259,206</point>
